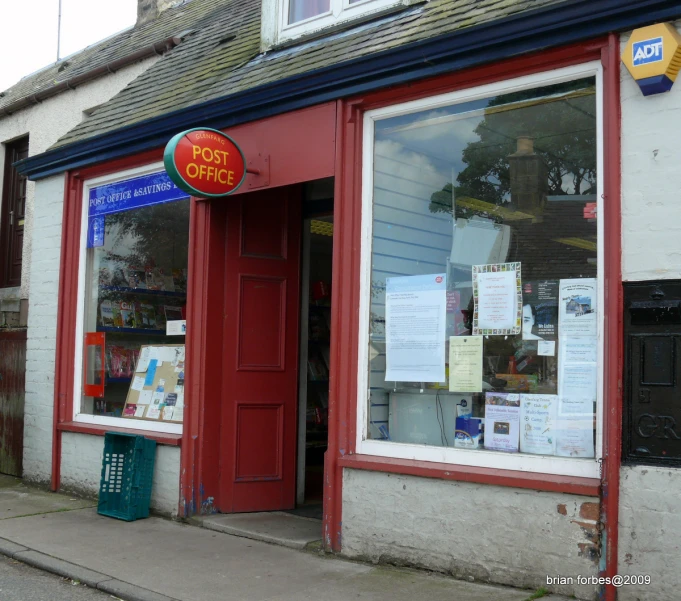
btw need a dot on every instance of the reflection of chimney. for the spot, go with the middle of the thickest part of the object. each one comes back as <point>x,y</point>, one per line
<point>529,177</point>
<point>148,10</point>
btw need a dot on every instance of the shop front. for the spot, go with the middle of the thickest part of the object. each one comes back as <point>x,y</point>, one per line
<point>407,312</point>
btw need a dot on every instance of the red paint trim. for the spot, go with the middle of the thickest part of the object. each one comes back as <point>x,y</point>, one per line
<point>344,316</point>
<point>346,277</point>
<point>614,308</point>
<point>174,440</point>
<point>461,473</point>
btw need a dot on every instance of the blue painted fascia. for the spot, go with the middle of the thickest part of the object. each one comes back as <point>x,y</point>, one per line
<point>530,31</point>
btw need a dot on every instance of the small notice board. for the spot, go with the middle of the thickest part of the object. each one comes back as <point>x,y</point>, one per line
<point>157,387</point>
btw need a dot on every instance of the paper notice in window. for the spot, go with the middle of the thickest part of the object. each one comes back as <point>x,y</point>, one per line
<point>465,363</point>
<point>139,411</point>
<point>176,327</point>
<point>137,383</point>
<point>546,348</point>
<point>498,299</point>
<point>415,325</point>
<point>145,397</point>
<point>575,437</point>
<point>578,307</point>
<point>538,423</point>
<point>143,361</point>
<point>502,421</point>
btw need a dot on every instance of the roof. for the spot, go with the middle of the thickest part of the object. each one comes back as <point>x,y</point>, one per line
<point>203,68</point>
<point>218,78</point>
<point>172,22</point>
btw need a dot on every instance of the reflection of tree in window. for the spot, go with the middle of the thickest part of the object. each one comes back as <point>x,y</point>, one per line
<point>154,236</point>
<point>560,120</point>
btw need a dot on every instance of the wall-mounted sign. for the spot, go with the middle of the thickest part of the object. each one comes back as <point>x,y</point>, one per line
<point>205,162</point>
<point>653,57</point>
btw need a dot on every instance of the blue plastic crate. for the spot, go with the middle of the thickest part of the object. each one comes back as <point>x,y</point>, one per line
<point>127,474</point>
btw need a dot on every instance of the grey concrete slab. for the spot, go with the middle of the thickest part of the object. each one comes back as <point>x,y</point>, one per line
<point>17,499</point>
<point>185,563</point>
<point>271,527</point>
<point>61,567</point>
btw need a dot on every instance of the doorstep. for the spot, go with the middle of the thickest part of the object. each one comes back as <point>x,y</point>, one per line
<point>276,527</point>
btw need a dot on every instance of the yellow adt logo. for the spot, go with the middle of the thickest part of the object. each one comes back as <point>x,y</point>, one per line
<point>653,57</point>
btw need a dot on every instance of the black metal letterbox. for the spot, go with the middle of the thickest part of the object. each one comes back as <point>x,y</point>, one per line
<point>652,372</point>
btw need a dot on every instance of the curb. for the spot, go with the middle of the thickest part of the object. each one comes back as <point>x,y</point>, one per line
<point>96,580</point>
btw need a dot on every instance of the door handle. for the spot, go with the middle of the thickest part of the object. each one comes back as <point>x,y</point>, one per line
<point>11,217</point>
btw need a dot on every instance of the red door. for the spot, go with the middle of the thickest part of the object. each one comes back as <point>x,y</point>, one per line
<point>258,434</point>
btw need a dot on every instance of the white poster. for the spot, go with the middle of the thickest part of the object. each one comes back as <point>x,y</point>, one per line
<point>465,363</point>
<point>546,348</point>
<point>579,349</point>
<point>575,437</point>
<point>538,423</point>
<point>415,328</point>
<point>577,307</point>
<point>498,299</point>
<point>577,383</point>
<point>502,421</point>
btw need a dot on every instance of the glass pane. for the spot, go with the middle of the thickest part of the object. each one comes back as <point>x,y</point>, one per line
<point>300,10</point>
<point>484,228</point>
<point>136,282</point>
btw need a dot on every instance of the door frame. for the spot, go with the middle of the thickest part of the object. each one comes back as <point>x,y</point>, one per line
<point>287,149</point>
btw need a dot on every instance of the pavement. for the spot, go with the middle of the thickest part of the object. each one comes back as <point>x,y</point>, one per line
<point>155,559</point>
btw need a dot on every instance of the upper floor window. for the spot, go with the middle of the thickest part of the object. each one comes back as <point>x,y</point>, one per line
<point>12,215</point>
<point>288,19</point>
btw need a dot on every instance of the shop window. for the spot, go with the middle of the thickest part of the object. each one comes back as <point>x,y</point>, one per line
<point>134,295</point>
<point>482,304</point>
<point>287,19</point>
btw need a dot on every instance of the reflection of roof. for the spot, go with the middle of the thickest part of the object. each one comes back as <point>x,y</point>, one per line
<point>578,242</point>
<point>59,76</point>
<point>491,209</point>
<point>222,57</point>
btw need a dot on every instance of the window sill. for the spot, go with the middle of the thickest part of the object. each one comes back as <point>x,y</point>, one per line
<point>546,482</point>
<point>174,440</point>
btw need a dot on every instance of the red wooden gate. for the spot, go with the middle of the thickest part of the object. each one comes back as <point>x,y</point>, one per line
<point>12,384</point>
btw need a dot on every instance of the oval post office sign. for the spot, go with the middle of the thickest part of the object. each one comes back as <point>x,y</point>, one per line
<point>205,162</point>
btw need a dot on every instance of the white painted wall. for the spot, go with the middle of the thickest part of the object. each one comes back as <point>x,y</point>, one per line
<point>42,328</point>
<point>651,181</point>
<point>45,123</point>
<point>650,523</point>
<point>81,470</point>
<point>474,531</point>
<point>649,517</point>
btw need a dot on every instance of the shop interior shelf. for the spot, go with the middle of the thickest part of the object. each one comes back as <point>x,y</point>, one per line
<point>116,330</point>
<point>144,291</point>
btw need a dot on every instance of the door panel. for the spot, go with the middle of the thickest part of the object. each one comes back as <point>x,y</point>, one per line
<point>258,441</point>
<point>12,384</point>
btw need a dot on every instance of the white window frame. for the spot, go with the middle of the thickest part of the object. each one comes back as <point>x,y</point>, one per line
<point>86,418</point>
<point>563,466</point>
<point>276,29</point>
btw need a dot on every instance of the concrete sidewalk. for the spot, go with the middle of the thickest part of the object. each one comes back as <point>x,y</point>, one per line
<point>159,560</point>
